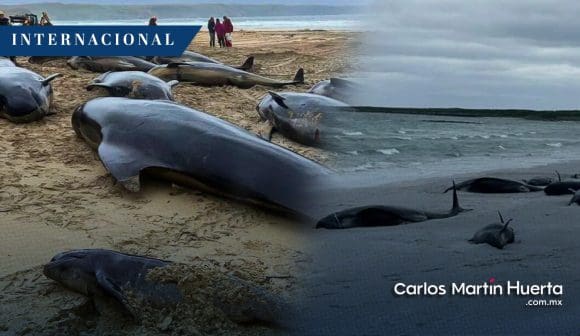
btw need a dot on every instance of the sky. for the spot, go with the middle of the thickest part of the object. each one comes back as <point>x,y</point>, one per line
<point>474,54</point>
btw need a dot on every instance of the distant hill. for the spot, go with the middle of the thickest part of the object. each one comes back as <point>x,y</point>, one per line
<point>60,11</point>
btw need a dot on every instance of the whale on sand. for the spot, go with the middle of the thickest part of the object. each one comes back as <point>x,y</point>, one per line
<point>297,116</point>
<point>110,63</point>
<point>190,56</point>
<point>497,234</point>
<point>492,185</point>
<point>211,74</point>
<point>335,88</point>
<point>25,96</point>
<point>194,149</point>
<point>133,84</point>
<point>382,215</point>
<point>128,280</point>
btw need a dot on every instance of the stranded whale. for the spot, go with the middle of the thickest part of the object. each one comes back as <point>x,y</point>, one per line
<point>134,84</point>
<point>497,235</point>
<point>492,185</point>
<point>211,74</point>
<point>381,215</point>
<point>195,149</point>
<point>25,96</point>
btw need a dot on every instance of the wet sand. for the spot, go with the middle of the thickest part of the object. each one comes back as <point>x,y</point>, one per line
<point>55,194</point>
<point>349,283</point>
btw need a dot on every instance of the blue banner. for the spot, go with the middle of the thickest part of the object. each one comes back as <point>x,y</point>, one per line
<point>95,40</point>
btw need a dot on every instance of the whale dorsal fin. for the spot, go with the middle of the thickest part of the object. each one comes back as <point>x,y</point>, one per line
<point>506,225</point>
<point>278,99</point>
<point>559,176</point>
<point>50,78</point>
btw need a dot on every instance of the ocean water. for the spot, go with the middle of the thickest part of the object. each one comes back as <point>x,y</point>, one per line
<point>395,147</point>
<point>328,22</point>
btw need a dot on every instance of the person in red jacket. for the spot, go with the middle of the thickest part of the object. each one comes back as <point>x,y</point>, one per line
<point>229,30</point>
<point>220,31</point>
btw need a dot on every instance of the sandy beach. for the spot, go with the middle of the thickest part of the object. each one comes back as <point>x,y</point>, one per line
<point>55,194</point>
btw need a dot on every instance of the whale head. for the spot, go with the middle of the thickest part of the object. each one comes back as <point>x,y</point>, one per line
<point>74,270</point>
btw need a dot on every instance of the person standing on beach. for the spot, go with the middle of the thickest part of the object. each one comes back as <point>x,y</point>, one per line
<point>4,21</point>
<point>221,33</point>
<point>45,20</point>
<point>211,29</point>
<point>153,21</point>
<point>229,31</point>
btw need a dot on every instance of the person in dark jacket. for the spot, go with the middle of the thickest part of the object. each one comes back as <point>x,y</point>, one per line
<point>211,29</point>
<point>221,33</point>
<point>45,20</point>
<point>229,31</point>
<point>4,21</point>
<point>153,21</point>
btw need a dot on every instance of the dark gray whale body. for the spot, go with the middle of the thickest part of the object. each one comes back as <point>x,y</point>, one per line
<point>298,116</point>
<point>497,235</point>
<point>25,96</point>
<point>562,188</point>
<point>335,88</point>
<point>104,273</point>
<point>111,63</point>
<point>212,74</point>
<point>194,149</point>
<point>134,84</point>
<point>101,274</point>
<point>492,185</point>
<point>380,215</point>
<point>190,56</point>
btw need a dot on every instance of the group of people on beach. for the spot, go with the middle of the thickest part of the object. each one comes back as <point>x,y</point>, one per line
<point>223,30</point>
<point>44,20</point>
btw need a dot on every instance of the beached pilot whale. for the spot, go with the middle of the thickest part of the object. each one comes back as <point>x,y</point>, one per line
<point>492,185</point>
<point>211,74</point>
<point>497,235</point>
<point>381,215</point>
<point>45,59</point>
<point>102,274</point>
<point>335,88</point>
<point>194,149</point>
<point>562,188</point>
<point>133,84</point>
<point>190,56</point>
<point>297,116</point>
<point>110,63</point>
<point>25,96</point>
<point>6,62</point>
